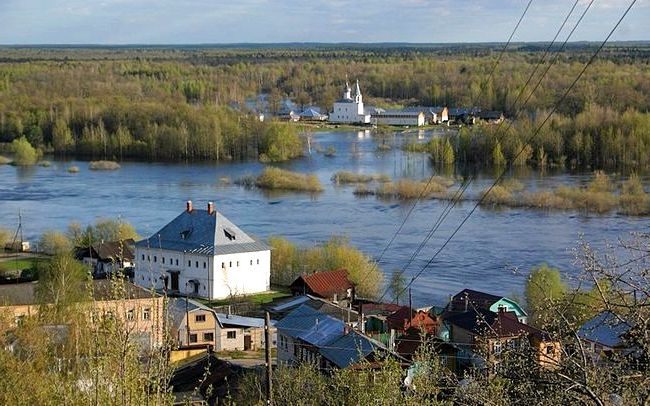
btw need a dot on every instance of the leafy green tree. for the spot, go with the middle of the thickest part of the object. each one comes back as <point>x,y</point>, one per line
<point>54,242</point>
<point>62,283</point>
<point>102,230</point>
<point>544,291</point>
<point>24,153</point>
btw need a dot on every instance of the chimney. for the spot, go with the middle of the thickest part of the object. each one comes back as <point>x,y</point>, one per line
<point>210,208</point>
<point>188,206</point>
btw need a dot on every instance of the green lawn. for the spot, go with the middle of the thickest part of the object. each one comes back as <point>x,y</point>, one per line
<point>259,298</point>
<point>20,263</point>
<point>12,267</point>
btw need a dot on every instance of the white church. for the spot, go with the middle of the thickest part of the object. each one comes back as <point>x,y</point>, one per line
<point>201,253</point>
<point>350,108</point>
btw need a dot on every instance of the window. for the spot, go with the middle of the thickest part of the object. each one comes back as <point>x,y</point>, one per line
<point>231,335</point>
<point>223,264</point>
<point>130,314</point>
<point>258,262</point>
<point>176,261</point>
<point>143,257</point>
<point>163,260</point>
<point>20,320</point>
<point>199,318</point>
<point>550,350</point>
<point>148,258</point>
<point>208,336</point>
<point>146,313</point>
<point>189,263</point>
<point>193,338</point>
<point>230,264</point>
<point>196,263</point>
<point>155,258</point>
<point>496,347</point>
<point>237,263</point>
<point>251,262</point>
<point>205,265</point>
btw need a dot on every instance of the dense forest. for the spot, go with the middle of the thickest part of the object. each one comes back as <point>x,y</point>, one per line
<point>165,103</point>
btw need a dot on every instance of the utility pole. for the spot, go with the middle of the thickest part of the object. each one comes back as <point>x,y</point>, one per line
<point>267,350</point>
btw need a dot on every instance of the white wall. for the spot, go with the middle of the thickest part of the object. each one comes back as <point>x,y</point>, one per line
<point>239,277</point>
<point>244,273</point>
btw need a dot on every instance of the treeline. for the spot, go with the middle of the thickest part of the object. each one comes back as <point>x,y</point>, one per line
<point>173,104</point>
<point>598,137</point>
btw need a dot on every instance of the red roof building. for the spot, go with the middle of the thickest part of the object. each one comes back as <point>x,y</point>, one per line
<point>330,285</point>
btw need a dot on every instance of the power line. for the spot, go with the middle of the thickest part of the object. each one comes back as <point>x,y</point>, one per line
<point>463,187</point>
<point>498,179</point>
<point>422,192</point>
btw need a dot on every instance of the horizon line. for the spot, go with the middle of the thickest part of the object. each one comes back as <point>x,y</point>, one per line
<point>302,43</point>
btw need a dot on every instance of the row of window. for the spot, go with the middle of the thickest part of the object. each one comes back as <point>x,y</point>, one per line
<point>206,337</point>
<point>146,314</point>
<point>189,262</point>
<point>231,335</point>
<point>223,264</point>
<point>155,259</point>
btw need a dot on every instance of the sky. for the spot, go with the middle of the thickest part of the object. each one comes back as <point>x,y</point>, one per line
<point>275,21</point>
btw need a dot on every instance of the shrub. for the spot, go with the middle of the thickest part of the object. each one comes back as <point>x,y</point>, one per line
<point>343,177</point>
<point>103,166</point>
<point>275,178</point>
<point>412,189</point>
<point>73,169</point>
<point>634,200</point>
<point>497,195</point>
<point>24,153</point>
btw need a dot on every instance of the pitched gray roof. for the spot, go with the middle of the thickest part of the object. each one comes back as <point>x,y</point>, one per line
<point>349,349</point>
<point>605,328</point>
<point>311,326</point>
<point>198,232</point>
<point>241,321</point>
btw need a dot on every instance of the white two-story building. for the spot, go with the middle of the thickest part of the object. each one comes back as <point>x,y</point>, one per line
<point>203,254</point>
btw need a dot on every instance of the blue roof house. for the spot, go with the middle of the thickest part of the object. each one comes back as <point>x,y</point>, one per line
<point>307,335</point>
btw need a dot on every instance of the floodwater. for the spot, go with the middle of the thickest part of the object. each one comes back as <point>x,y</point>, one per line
<point>483,255</point>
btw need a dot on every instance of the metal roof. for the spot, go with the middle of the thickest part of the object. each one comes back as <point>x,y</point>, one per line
<point>198,232</point>
<point>311,326</point>
<point>605,328</point>
<point>235,320</point>
<point>349,349</point>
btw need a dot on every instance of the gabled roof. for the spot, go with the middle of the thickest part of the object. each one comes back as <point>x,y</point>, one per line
<point>284,306</point>
<point>311,326</point>
<point>329,335</point>
<point>477,298</point>
<point>349,349</point>
<point>484,323</point>
<point>325,283</point>
<point>108,250</point>
<point>198,232</point>
<point>178,307</point>
<point>605,328</point>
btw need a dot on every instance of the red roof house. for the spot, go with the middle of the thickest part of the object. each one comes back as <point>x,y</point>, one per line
<point>331,285</point>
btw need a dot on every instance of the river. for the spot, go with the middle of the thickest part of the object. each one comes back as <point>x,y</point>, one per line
<point>482,255</point>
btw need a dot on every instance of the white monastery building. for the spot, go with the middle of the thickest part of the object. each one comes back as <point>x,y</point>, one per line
<point>350,109</point>
<point>203,254</point>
